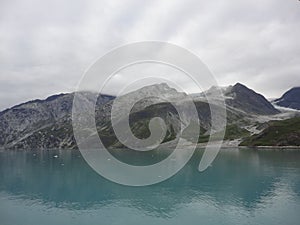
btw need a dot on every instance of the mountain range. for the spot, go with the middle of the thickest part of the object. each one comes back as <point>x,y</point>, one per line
<point>44,124</point>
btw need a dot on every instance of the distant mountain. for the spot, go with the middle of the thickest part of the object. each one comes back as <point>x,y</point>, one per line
<point>47,123</point>
<point>241,97</point>
<point>290,99</point>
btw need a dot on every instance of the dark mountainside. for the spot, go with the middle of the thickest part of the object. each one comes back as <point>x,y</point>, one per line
<point>290,99</point>
<point>249,101</point>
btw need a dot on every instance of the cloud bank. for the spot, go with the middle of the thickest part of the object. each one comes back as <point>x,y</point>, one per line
<point>45,46</point>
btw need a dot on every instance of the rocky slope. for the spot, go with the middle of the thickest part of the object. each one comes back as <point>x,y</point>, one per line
<point>47,123</point>
<point>41,123</point>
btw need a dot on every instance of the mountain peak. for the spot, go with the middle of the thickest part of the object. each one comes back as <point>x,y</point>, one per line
<point>161,87</point>
<point>162,90</point>
<point>249,101</point>
<point>239,85</point>
<point>295,88</point>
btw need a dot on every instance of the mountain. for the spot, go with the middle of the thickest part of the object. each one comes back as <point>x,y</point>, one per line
<point>241,97</point>
<point>47,123</point>
<point>290,99</point>
<point>41,123</point>
<point>141,113</point>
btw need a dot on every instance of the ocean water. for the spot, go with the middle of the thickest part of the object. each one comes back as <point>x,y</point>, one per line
<point>241,187</point>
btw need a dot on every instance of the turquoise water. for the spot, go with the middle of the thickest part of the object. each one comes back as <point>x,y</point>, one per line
<point>241,187</point>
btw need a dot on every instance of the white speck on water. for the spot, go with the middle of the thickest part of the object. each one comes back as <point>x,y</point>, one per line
<point>108,159</point>
<point>55,156</point>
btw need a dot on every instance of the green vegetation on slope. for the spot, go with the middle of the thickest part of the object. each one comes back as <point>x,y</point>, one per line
<point>232,132</point>
<point>278,133</point>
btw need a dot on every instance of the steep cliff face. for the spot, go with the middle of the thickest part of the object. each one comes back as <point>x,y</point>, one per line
<point>290,99</point>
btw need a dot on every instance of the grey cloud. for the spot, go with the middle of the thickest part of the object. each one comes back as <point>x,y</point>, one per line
<point>45,46</point>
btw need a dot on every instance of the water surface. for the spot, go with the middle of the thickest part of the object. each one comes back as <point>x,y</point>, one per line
<point>241,187</point>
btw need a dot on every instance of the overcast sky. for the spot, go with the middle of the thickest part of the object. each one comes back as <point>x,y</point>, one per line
<point>45,46</point>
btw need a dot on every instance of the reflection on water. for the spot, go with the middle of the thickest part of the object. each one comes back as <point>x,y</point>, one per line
<point>241,187</point>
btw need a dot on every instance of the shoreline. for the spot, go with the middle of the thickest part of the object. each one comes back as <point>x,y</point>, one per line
<point>170,145</point>
<point>288,147</point>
